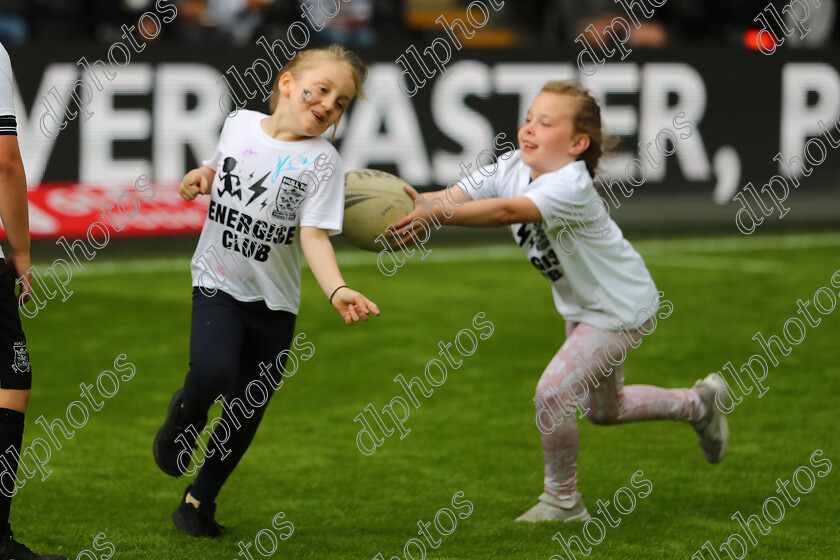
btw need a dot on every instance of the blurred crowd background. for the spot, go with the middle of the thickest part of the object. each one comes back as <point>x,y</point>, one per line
<point>371,23</point>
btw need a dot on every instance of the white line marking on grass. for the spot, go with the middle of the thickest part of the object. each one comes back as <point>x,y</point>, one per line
<point>507,252</point>
<point>729,264</point>
<point>135,266</point>
<point>653,250</point>
<point>739,243</point>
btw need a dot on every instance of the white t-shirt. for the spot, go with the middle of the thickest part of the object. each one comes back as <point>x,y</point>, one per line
<point>7,98</point>
<point>7,92</point>
<point>596,275</point>
<point>264,190</point>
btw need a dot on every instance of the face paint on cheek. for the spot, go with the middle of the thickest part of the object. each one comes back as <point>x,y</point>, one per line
<point>305,96</point>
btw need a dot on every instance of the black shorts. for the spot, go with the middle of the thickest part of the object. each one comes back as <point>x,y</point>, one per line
<point>15,371</point>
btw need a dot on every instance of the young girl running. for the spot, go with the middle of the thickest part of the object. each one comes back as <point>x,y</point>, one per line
<point>276,188</point>
<point>545,192</point>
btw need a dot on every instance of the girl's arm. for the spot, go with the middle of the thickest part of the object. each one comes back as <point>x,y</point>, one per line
<point>319,253</point>
<point>488,212</point>
<point>197,182</point>
<point>14,213</point>
<point>493,212</point>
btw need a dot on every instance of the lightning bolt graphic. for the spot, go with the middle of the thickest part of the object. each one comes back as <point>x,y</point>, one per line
<point>263,204</point>
<point>257,189</point>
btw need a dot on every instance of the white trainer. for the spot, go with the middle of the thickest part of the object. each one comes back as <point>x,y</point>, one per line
<point>712,431</point>
<point>549,508</point>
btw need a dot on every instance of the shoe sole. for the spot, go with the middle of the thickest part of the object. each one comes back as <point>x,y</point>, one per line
<point>174,405</point>
<point>718,422</point>
<point>580,517</point>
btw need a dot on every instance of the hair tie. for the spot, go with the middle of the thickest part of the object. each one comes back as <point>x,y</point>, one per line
<point>334,291</point>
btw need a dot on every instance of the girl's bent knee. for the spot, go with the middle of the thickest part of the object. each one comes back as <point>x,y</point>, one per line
<point>602,416</point>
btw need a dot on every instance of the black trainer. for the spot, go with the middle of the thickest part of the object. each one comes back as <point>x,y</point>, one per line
<point>197,521</point>
<point>10,549</point>
<point>173,438</point>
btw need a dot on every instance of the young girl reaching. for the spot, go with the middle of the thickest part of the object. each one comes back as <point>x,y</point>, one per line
<point>276,188</point>
<point>601,287</point>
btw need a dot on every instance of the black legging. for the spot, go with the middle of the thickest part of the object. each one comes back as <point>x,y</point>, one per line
<point>228,341</point>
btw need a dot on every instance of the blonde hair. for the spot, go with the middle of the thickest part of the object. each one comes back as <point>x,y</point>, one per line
<point>305,61</point>
<point>587,121</point>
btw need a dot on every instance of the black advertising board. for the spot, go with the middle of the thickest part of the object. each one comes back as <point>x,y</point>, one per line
<point>730,111</point>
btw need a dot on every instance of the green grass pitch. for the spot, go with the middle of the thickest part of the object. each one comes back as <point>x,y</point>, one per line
<point>475,434</point>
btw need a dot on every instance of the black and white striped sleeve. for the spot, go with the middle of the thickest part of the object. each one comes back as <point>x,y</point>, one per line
<point>7,95</point>
<point>8,125</point>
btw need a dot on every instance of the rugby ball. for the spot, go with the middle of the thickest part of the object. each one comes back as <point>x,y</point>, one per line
<point>372,201</point>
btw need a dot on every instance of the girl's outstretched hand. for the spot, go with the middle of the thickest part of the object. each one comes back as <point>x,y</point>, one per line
<point>403,226</point>
<point>353,306</point>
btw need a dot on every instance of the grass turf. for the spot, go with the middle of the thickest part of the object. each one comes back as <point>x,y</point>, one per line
<point>475,434</point>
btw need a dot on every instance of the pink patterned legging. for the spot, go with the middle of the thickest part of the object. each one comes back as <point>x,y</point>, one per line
<point>575,376</point>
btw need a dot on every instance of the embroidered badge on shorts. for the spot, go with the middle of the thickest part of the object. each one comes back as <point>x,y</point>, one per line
<point>21,364</point>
